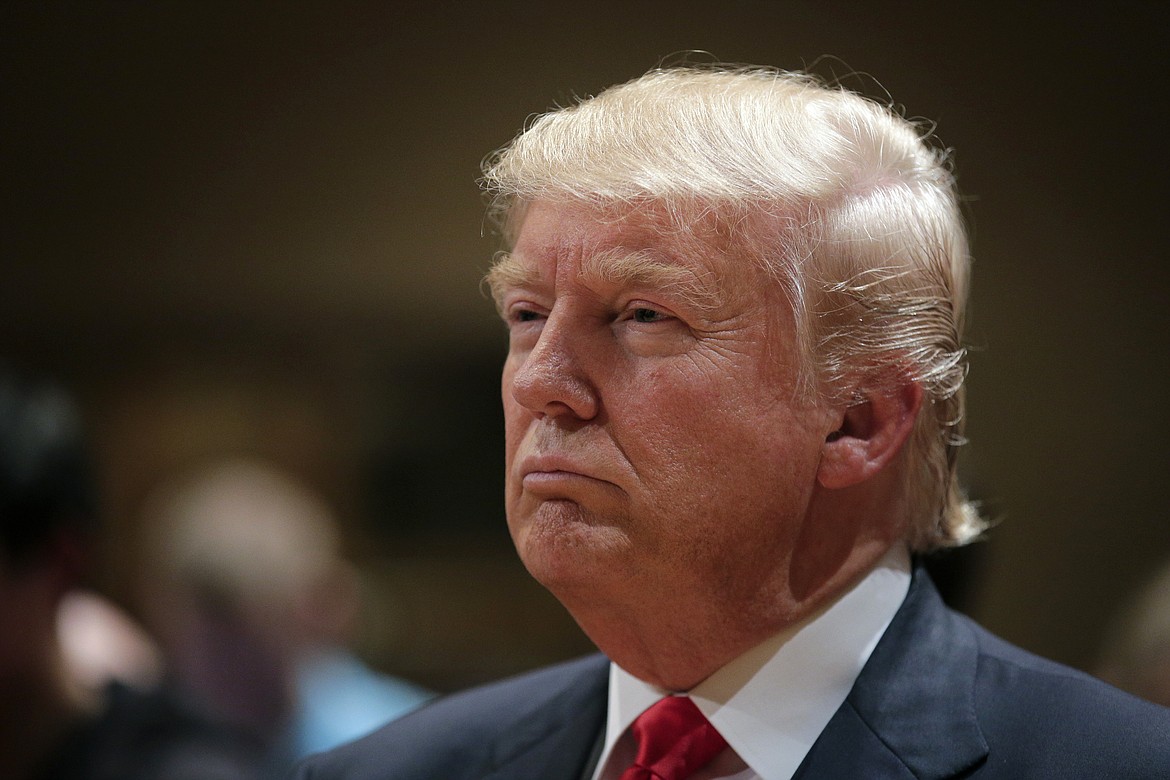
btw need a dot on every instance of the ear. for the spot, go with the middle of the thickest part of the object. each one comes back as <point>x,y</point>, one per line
<point>871,434</point>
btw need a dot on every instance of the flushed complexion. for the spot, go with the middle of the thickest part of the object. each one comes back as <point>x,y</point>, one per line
<point>661,467</point>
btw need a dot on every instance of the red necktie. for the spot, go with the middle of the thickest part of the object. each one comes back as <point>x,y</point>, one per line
<point>674,740</point>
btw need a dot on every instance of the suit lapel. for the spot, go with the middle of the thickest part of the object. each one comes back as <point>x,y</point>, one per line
<point>557,740</point>
<point>911,713</point>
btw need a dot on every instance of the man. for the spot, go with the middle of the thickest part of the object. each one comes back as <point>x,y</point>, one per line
<point>732,401</point>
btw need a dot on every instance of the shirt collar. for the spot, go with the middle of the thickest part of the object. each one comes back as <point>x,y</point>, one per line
<point>772,702</point>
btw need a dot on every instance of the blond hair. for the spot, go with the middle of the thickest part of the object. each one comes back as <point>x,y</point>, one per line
<point>842,199</point>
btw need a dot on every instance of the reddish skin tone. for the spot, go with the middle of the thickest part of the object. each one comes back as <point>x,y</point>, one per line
<point>664,480</point>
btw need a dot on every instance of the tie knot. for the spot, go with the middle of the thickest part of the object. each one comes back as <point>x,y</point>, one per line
<point>674,740</point>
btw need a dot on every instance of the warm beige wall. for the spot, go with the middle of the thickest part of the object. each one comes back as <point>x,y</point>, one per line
<point>260,231</point>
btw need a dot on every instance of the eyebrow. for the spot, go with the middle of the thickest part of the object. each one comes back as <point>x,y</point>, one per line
<point>508,273</point>
<point>616,267</point>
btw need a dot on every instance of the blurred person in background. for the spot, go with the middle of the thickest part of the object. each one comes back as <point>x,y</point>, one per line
<point>77,674</point>
<point>1136,650</point>
<point>255,607</point>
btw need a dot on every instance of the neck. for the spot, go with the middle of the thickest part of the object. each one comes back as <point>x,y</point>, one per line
<point>676,645</point>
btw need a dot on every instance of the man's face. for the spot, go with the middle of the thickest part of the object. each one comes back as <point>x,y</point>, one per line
<point>657,451</point>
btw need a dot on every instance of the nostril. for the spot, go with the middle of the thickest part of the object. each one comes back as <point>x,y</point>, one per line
<point>555,386</point>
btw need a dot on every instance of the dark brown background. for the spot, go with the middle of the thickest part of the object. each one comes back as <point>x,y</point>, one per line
<point>256,228</point>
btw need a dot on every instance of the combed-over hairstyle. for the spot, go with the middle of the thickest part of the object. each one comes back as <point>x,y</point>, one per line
<point>842,199</point>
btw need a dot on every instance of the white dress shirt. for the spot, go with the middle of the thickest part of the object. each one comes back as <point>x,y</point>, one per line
<point>772,702</point>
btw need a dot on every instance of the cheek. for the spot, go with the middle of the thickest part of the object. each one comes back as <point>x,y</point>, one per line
<point>700,445</point>
<point>693,411</point>
<point>515,416</point>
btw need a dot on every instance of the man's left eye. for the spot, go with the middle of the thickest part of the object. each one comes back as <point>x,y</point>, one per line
<point>642,314</point>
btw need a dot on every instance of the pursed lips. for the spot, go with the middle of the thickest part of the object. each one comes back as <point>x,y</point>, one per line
<point>547,473</point>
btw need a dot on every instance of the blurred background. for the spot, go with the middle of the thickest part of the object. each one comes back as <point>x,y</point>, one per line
<point>254,229</point>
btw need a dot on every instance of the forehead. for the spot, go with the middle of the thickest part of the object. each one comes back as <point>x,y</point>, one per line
<point>557,243</point>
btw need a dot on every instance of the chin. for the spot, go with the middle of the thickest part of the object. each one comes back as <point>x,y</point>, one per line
<point>564,548</point>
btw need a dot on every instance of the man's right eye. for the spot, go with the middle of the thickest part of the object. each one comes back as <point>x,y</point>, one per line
<point>520,314</point>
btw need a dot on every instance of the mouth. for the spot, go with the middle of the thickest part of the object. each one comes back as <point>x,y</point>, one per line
<point>554,476</point>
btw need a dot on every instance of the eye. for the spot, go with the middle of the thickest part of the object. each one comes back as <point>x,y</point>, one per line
<point>643,314</point>
<point>522,312</point>
<point>524,322</point>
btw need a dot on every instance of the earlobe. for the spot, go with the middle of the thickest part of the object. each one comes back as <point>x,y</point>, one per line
<point>871,433</point>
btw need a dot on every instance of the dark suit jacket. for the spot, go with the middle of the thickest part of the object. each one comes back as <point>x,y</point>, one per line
<point>939,698</point>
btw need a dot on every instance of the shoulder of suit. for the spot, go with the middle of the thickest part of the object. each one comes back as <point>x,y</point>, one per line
<point>452,733</point>
<point>1036,707</point>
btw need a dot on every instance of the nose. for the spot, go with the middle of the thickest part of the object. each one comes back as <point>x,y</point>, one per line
<point>552,379</point>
